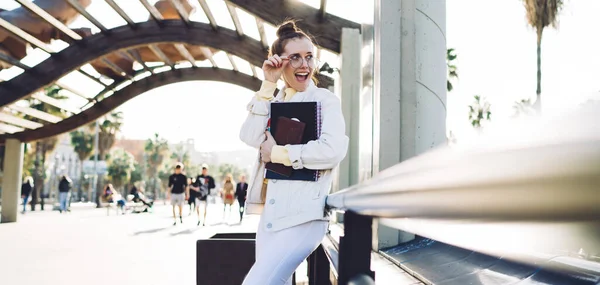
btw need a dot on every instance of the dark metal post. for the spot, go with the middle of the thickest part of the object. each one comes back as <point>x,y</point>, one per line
<point>355,247</point>
<point>318,267</point>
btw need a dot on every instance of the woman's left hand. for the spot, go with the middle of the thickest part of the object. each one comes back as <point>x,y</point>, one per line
<point>266,147</point>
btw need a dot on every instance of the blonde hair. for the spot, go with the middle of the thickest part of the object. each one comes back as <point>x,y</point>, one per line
<point>229,177</point>
<point>28,179</point>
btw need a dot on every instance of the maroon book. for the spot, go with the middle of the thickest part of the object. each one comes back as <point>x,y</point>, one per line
<point>289,131</point>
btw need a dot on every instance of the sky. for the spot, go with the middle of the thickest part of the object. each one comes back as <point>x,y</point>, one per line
<point>496,59</point>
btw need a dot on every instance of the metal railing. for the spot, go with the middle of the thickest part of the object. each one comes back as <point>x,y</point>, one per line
<point>536,181</point>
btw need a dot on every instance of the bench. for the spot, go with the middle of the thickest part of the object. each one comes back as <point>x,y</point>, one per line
<point>130,204</point>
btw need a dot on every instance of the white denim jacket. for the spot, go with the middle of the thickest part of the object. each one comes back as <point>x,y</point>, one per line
<point>289,203</point>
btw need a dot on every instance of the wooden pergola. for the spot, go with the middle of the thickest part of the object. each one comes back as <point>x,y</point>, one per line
<point>166,47</point>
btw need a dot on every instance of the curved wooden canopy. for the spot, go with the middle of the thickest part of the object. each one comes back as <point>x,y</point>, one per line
<point>131,91</point>
<point>168,37</point>
<point>98,45</point>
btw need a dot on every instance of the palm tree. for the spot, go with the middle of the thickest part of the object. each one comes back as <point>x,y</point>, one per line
<point>120,167</point>
<point>109,127</point>
<point>451,66</point>
<point>44,146</point>
<point>479,112</point>
<point>541,14</point>
<point>156,150</point>
<point>181,155</point>
<point>83,144</point>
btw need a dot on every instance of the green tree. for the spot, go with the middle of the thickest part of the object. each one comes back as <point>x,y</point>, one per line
<point>191,170</point>
<point>43,147</point>
<point>451,66</point>
<point>120,166</point>
<point>165,170</point>
<point>479,111</point>
<point>179,154</point>
<point>136,173</point>
<point>108,128</point>
<point>156,150</point>
<point>28,160</point>
<point>228,168</point>
<point>83,144</point>
<point>541,14</point>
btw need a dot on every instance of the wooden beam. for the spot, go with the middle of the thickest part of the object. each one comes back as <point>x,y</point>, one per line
<point>132,91</point>
<point>156,15</point>
<point>101,44</point>
<point>36,114</point>
<point>232,61</point>
<point>12,119</point>
<point>6,128</point>
<point>235,19</point>
<point>134,55</point>
<point>328,32</point>
<point>116,68</point>
<point>121,12</point>
<point>208,13</point>
<point>263,35</point>
<point>209,55</point>
<point>158,52</point>
<point>13,61</point>
<point>27,4</point>
<point>181,11</point>
<point>19,33</point>
<point>87,15</point>
<point>68,88</point>
<point>186,54</point>
<point>92,77</point>
<point>54,102</point>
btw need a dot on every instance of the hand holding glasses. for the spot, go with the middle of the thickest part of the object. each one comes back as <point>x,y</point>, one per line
<point>273,66</point>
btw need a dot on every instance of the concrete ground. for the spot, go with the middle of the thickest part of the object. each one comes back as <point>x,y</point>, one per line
<point>85,246</point>
<point>88,247</point>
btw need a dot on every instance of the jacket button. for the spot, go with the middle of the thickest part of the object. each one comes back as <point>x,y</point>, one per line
<point>269,225</point>
<point>272,201</point>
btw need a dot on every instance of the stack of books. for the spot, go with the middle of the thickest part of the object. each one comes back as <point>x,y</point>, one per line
<point>294,123</point>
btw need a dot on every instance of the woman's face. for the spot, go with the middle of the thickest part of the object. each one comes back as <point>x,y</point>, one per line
<point>298,77</point>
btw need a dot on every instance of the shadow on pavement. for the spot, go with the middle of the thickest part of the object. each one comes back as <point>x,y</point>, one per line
<point>186,232</point>
<point>152,231</point>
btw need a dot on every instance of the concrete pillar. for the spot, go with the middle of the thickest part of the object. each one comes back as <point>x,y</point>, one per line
<point>11,181</point>
<point>349,86</point>
<point>410,86</point>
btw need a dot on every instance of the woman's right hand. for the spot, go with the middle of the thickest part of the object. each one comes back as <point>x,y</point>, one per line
<point>273,68</point>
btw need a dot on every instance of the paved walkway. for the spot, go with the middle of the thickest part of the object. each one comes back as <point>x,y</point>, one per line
<point>88,247</point>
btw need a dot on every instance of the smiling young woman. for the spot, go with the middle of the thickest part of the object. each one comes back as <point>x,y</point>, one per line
<point>293,220</point>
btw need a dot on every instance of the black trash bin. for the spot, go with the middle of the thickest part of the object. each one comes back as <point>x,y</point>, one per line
<point>224,259</point>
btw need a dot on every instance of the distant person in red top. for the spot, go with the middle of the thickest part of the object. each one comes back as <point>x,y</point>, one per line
<point>178,191</point>
<point>228,194</point>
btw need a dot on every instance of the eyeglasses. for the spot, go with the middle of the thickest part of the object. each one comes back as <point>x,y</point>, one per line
<point>296,61</point>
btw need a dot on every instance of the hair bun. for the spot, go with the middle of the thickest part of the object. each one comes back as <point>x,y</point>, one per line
<point>286,28</point>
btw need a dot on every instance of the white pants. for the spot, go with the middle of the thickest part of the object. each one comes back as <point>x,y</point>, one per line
<point>279,253</point>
